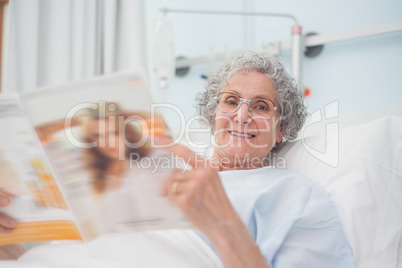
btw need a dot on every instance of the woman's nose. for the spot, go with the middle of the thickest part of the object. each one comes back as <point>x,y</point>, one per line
<point>243,115</point>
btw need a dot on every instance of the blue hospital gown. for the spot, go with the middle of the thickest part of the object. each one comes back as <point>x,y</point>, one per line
<point>291,218</point>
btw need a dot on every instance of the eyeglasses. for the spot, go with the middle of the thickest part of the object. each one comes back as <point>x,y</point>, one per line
<point>260,108</point>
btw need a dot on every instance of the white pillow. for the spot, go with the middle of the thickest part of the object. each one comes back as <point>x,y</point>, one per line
<point>366,185</point>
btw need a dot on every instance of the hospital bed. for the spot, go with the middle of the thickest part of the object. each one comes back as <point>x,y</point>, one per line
<point>364,181</point>
<point>356,158</point>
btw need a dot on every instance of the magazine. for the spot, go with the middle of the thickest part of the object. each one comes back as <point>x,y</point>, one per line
<point>78,160</point>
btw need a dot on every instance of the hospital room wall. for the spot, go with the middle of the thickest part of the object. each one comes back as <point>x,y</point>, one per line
<point>361,74</point>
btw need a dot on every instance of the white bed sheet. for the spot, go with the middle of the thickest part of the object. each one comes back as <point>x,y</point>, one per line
<point>167,248</point>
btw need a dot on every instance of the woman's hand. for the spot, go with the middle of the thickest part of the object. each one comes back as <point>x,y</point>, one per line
<point>6,223</point>
<point>8,252</point>
<point>200,195</point>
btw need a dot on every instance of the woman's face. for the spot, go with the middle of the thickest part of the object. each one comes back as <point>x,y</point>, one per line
<point>243,141</point>
<point>106,135</point>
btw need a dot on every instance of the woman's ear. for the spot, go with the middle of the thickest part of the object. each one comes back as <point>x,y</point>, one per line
<point>279,137</point>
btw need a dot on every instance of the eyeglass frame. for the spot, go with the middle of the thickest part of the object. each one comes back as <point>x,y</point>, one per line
<point>248,105</point>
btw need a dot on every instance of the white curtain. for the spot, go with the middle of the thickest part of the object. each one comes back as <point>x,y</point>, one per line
<point>53,42</point>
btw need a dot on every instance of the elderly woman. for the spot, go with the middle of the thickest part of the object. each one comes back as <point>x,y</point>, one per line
<point>256,215</point>
<point>252,214</point>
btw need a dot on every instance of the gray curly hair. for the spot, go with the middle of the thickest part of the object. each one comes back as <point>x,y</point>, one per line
<point>293,112</point>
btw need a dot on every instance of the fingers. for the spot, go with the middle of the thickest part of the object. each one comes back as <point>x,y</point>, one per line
<point>6,222</point>
<point>201,197</point>
<point>5,197</point>
<point>174,184</point>
<point>194,184</point>
<point>175,189</point>
<point>4,201</point>
<point>11,252</point>
<point>180,191</point>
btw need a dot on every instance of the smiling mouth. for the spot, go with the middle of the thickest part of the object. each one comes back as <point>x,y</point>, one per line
<point>241,135</point>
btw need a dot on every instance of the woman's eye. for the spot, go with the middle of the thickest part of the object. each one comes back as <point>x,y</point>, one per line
<point>231,102</point>
<point>261,106</point>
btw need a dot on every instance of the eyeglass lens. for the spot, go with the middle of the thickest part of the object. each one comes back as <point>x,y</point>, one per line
<point>229,103</point>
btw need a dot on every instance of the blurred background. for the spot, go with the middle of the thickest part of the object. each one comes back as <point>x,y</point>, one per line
<point>47,42</point>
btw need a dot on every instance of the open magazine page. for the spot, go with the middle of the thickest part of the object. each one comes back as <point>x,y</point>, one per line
<point>25,174</point>
<point>98,137</point>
